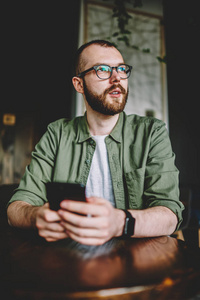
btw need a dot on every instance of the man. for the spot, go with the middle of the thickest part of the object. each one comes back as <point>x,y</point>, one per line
<point>126,163</point>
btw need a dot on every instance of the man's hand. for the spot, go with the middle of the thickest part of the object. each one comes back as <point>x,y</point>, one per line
<point>99,221</point>
<point>48,224</point>
<point>23,215</point>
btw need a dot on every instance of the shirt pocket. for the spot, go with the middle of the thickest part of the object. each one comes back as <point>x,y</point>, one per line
<point>135,188</point>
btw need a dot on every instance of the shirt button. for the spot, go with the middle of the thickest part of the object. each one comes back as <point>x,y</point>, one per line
<point>87,161</point>
<point>91,142</point>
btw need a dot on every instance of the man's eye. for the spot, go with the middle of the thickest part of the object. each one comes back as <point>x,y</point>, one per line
<point>103,69</point>
<point>122,69</point>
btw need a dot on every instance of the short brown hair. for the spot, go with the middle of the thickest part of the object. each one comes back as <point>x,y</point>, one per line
<point>79,63</point>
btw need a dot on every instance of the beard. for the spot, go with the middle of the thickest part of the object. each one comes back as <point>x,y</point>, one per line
<point>101,105</point>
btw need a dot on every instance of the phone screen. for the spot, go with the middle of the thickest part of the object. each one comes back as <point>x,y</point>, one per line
<point>59,191</point>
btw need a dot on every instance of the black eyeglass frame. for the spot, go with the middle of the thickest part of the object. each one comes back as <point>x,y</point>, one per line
<point>95,68</point>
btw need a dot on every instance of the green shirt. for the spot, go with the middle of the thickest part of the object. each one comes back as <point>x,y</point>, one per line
<point>140,158</point>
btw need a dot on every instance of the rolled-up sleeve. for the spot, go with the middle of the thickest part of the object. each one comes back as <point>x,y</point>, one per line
<point>162,177</point>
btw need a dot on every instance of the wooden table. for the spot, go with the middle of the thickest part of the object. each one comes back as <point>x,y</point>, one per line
<point>153,268</point>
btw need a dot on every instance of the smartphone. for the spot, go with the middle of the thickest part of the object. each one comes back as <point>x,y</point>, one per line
<point>59,191</point>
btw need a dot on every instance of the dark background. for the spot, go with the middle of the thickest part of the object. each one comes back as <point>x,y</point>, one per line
<point>39,40</point>
<point>181,19</point>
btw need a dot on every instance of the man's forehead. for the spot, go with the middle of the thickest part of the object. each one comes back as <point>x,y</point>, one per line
<point>96,54</point>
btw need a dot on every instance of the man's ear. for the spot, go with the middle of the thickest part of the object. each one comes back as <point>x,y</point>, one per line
<point>78,84</point>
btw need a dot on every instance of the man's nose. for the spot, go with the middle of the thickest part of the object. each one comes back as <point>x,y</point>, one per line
<point>115,76</point>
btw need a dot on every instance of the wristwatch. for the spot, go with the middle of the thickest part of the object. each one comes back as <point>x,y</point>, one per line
<point>129,225</point>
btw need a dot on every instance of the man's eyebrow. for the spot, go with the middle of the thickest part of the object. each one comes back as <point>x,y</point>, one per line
<point>97,64</point>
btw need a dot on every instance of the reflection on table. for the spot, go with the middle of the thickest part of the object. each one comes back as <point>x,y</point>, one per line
<point>152,268</point>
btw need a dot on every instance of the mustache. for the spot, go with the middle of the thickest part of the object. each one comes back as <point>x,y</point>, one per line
<point>113,87</point>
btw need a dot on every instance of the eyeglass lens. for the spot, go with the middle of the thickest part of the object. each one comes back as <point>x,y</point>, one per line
<point>104,71</point>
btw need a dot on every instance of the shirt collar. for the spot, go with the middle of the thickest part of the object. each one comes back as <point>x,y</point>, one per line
<point>83,130</point>
<point>116,133</point>
<point>84,133</point>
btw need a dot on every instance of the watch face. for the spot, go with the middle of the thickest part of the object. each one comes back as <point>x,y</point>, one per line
<point>126,226</point>
<point>129,224</point>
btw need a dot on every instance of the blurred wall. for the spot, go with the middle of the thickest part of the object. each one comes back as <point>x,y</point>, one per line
<point>38,42</point>
<point>181,19</point>
<point>39,39</point>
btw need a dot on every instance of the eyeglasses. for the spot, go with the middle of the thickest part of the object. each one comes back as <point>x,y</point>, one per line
<point>105,71</point>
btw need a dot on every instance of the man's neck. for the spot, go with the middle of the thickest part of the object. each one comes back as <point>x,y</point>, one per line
<point>100,124</point>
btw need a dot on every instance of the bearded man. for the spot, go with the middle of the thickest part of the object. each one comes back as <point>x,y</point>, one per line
<point>125,161</point>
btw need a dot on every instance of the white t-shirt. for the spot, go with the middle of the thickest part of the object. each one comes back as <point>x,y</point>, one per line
<point>99,182</point>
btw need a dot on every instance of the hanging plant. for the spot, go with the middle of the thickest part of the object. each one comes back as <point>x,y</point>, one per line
<point>122,17</point>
